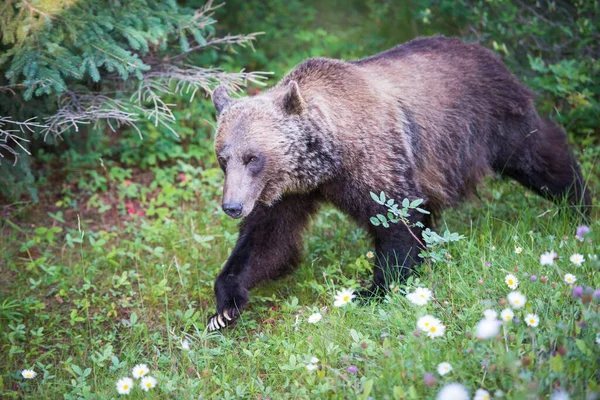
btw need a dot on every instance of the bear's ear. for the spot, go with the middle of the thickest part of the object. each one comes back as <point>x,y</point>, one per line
<point>221,99</point>
<point>293,103</point>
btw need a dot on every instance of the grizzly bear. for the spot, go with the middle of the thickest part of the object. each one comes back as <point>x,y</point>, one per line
<point>424,120</point>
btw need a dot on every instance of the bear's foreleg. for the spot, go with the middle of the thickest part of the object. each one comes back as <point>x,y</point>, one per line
<point>269,246</point>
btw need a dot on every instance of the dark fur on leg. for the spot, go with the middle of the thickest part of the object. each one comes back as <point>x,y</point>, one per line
<point>269,247</point>
<point>543,162</point>
<point>396,247</point>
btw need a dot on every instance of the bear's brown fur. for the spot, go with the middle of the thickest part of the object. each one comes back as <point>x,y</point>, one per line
<point>427,119</point>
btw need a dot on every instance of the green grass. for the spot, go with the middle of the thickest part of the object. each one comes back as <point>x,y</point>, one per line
<point>87,295</point>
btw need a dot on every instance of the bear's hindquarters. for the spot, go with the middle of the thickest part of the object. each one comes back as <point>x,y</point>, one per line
<point>541,160</point>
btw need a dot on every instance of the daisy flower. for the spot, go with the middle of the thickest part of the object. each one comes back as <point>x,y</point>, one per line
<point>314,318</point>
<point>548,258</point>
<point>420,296</point>
<point>28,374</point>
<point>570,279</point>
<point>140,370</point>
<point>436,329</point>
<point>577,259</point>
<point>124,385</point>
<point>147,383</point>
<point>370,254</point>
<point>511,281</point>
<point>311,367</point>
<point>343,297</point>
<point>425,322</point>
<point>482,394</point>
<point>507,315</point>
<point>432,326</point>
<point>314,360</point>
<point>532,320</point>
<point>487,328</point>
<point>560,395</point>
<point>444,368</point>
<point>453,391</point>
<point>516,299</point>
<point>518,250</point>
<point>490,314</point>
<point>185,344</point>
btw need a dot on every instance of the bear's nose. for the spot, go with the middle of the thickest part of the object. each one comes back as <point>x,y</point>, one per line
<point>234,210</point>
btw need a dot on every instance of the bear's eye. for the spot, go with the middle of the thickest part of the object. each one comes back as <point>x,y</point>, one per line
<point>222,162</point>
<point>251,159</point>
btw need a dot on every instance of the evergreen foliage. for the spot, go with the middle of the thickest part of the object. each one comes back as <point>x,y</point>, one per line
<point>66,64</point>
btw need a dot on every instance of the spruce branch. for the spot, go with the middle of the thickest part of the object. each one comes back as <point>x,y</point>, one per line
<point>8,130</point>
<point>189,78</point>
<point>239,40</point>
<point>149,92</point>
<point>82,108</point>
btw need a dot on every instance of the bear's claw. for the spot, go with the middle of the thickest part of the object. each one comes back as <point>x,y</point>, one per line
<point>220,321</point>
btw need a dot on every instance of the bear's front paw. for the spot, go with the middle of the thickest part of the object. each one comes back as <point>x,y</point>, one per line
<point>222,320</point>
<point>373,294</point>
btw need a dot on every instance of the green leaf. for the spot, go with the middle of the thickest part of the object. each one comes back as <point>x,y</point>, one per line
<point>583,347</point>
<point>367,388</point>
<point>76,369</point>
<point>375,221</point>
<point>415,203</point>
<point>557,364</point>
<point>374,197</point>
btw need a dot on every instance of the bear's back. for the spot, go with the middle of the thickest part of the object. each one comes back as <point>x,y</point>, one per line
<point>446,73</point>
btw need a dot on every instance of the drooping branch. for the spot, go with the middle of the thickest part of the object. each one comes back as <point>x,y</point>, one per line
<point>9,130</point>
<point>239,40</point>
<point>77,108</point>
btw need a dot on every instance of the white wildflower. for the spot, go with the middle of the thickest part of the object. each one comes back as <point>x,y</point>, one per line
<point>314,318</point>
<point>139,371</point>
<point>148,383</point>
<point>444,368</point>
<point>420,296</point>
<point>511,281</point>
<point>124,385</point>
<point>343,297</point>
<point>453,391</point>
<point>548,258</point>
<point>577,259</point>
<point>28,374</point>
<point>516,299</point>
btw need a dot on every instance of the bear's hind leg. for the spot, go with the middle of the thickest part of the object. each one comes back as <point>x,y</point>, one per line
<point>268,247</point>
<point>397,252</point>
<point>543,162</point>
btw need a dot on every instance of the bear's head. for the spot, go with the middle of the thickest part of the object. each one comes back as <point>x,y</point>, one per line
<point>258,144</point>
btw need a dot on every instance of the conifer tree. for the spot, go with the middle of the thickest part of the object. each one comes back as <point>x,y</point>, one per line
<point>66,64</point>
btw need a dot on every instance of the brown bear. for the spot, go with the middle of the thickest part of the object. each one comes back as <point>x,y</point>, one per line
<point>424,120</point>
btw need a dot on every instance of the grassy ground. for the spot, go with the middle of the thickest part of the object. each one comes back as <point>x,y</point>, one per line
<point>91,288</point>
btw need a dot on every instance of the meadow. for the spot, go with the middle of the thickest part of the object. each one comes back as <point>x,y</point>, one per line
<point>124,277</point>
<point>108,279</point>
